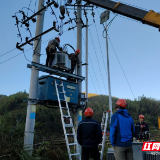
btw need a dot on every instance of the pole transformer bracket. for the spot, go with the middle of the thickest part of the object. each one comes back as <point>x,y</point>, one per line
<point>54,71</point>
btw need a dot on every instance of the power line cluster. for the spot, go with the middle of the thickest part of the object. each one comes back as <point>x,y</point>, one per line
<point>70,21</point>
<point>109,24</point>
<point>25,51</point>
<point>121,67</point>
<point>22,19</point>
<point>89,70</point>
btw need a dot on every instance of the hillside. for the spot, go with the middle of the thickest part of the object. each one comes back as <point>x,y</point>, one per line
<point>49,139</point>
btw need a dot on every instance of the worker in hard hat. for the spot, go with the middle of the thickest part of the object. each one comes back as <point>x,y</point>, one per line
<point>141,126</point>
<point>74,60</point>
<point>51,50</point>
<point>122,132</point>
<point>89,135</point>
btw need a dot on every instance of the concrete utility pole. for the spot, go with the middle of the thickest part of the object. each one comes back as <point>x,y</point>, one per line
<point>104,18</point>
<point>79,70</point>
<point>109,84</point>
<point>86,59</point>
<point>31,109</point>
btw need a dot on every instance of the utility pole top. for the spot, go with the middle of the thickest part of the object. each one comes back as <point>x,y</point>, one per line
<point>104,16</point>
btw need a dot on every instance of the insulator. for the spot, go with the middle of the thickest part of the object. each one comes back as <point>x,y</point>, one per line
<point>54,24</point>
<point>62,10</point>
<point>48,2</point>
<point>67,12</point>
<point>56,5</point>
<point>27,24</point>
<point>93,14</point>
<point>69,1</point>
<point>33,20</point>
<point>78,1</point>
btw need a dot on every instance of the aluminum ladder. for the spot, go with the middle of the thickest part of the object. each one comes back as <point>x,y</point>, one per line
<point>70,125</point>
<point>104,128</point>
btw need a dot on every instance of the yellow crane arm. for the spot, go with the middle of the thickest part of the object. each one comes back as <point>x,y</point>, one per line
<point>146,17</point>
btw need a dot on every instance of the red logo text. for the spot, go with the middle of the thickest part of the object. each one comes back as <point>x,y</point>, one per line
<point>151,146</point>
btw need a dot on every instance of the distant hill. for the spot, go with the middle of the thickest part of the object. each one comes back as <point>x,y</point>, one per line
<point>48,126</point>
<point>92,95</point>
<point>1,95</point>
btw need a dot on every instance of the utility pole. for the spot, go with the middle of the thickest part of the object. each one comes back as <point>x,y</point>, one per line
<point>86,59</point>
<point>79,70</point>
<point>31,109</point>
<point>104,18</point>
<point>109,84</point>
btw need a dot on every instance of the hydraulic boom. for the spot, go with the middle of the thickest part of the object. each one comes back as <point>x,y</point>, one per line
<point>146,17</point>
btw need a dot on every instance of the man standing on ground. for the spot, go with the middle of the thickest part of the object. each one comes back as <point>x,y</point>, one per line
<point>89,135</point>
<point>141,126</point>
<point>122,132</point>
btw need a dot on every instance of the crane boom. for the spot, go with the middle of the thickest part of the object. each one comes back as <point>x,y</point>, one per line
<point>146,17</point>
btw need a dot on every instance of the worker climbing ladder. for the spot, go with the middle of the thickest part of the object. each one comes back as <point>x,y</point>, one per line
<point>105,119</point>
<point>60,91</point>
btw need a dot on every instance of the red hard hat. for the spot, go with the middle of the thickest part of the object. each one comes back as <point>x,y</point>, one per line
<point>78,51</point>
<point>141,116</point>
<point>122,103</point>
<point>58,39</point>
<point>88,112</point>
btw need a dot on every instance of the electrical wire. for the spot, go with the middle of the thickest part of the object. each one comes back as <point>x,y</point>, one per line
<point>7,52</point>
<point>100,49</point>
<point>121,67</point>
<point>27,9</point>
<point>12,57</point>
<point>29,6</point>
<point>88,69</point>
<point>97,60</point>
<point>84,60</point>
<point>93,68</point>
<point>26,57</point>
<point>28,50</point>
<point>35,6</point>
<point>109,24</point>
<point>90,73</point>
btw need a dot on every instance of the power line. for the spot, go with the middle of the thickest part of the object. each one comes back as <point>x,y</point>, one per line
<point>11,58</point>
<point>29,7</point>
<point>93,68</point>
<point>7,52</point>
<point>35,6</point>
<point>88,69</point>
<point>121,66</point>
<point>97,60</point>
<point>101,49</point>
<point>27,15</point>
<point>27,50</point>
<point>26,57</point>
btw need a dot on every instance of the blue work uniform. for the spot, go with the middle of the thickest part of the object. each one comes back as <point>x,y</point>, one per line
<point>122,129</point>
<point>121,133</point>
<point>89,135</point>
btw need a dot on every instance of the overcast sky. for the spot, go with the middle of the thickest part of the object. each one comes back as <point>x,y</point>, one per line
<point>137,47</point>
